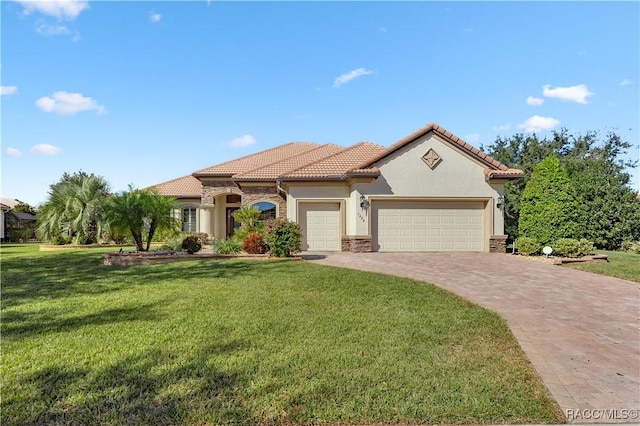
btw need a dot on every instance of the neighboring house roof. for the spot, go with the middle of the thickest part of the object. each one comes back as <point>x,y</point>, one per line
<point>257,160</point>
<point>25,217</point>
<point>186,186</point>
<point>9,202</point>
<point>339,164</point>
<point>494,167</point>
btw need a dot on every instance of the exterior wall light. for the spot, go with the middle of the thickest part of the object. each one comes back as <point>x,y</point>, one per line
<point>364,203</point>
<point>500,203</point>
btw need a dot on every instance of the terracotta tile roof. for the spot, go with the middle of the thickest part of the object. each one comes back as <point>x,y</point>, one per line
<point>257,160</point>
<point>505,174</point>
<point>185,187</point>
<point>274,170</point>
<point>337,165</point>
<point>491,163</point>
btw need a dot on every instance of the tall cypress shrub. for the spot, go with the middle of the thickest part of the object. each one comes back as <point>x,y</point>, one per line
<point>548,206</point>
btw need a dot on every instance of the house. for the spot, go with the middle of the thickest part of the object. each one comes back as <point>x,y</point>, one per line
<point>15,226</point>
<point>430,191</point>
<point>4,209</point>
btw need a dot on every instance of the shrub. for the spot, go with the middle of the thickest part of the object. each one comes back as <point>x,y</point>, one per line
<point>254,244</point>
<point>630,246</point>
<point>203,237</point>
<point>61,240</point>
<point>174,243</point>
<point>284,237</point>
<point>191,244</point>
<point>586,247</point>
<point>230,246</point>
<point>528,246</point>
<point>570,247</point>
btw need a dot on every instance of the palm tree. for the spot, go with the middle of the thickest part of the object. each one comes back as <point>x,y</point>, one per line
<point>74,209</point>
<point>137,210</point>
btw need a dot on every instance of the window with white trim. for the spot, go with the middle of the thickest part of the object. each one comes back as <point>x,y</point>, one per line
<point>189,219</point>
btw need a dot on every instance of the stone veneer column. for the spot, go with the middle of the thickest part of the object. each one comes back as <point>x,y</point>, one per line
<point>356,243</point>
<point>498,244</point>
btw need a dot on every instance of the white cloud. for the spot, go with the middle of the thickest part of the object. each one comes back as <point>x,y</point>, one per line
<point>65,103</point>
<point>12,152</point>
<point>578,93</point>
<point>61,9</point>
<point>242,141</point>
<point>345,78</point>
<point>155,17</point>
<point>383,29</point>
<point>45,149</point>
<point>538,123</point>
<point>626,82</point>
<point>473,137</point>
<point>47,30</point>
<point>502,127</point>
<point>8,90</point>
<point>534,101</point>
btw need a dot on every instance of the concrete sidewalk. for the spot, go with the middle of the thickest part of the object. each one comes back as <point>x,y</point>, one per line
<point>581,331</point>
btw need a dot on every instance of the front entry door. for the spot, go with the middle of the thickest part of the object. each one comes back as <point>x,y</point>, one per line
<point>231,222</point>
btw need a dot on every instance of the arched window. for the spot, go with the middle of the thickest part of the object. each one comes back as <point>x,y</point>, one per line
<point>189,219</point>
<point>267,210</point>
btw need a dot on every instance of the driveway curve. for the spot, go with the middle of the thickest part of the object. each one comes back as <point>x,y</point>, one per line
<point>581,331</point>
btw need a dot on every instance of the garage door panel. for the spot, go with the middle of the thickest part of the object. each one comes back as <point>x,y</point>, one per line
<point>428,226</point>
<point>320,225</point>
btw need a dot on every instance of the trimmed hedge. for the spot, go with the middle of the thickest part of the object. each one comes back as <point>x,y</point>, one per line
<point>528,246</point>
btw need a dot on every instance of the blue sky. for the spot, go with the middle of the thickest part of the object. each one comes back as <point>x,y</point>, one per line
<point>144,92</point>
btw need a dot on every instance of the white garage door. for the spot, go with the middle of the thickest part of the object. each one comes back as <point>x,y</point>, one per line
<point>320,225</point>
<point>428,226</point>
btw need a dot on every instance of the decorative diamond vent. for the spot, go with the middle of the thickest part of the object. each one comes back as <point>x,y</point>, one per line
<point>431,158</point>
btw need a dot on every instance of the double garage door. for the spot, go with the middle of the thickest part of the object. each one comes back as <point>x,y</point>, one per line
<point>427,226</point>
<point>414,226</point>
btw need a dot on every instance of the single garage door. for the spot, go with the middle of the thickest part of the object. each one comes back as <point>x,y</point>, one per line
<point>428,226</point>
<point>320,224</point>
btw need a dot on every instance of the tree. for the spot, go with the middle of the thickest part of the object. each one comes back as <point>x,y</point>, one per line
<point>74,209</point>
<point>24,208</point>
<point>548,206</point>
<point>595,164</point>
<point>140,212</point>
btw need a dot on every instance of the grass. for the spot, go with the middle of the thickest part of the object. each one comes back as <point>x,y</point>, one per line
<point>249,342</point>
<point>623,265</point>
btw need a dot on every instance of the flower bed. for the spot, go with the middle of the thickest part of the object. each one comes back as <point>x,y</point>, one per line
<point>167,256</point>
<point>590,258</point>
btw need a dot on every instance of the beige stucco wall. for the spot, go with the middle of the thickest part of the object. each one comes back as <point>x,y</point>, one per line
<point>405,174</point>
<point>308,191</point>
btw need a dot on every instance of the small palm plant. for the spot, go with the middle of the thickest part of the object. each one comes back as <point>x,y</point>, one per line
<point>249,219</point>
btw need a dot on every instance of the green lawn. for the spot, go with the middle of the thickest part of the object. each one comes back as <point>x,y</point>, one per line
<point>249,342</point>
<point>621,265</point>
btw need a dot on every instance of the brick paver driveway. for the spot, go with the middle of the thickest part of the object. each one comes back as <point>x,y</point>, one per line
<point>581,331</point>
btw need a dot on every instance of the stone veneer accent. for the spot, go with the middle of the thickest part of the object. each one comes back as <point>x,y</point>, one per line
<point>498,244</point>
<point>356,243</point>
<point>253,194</point>
<point>211,189</point>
